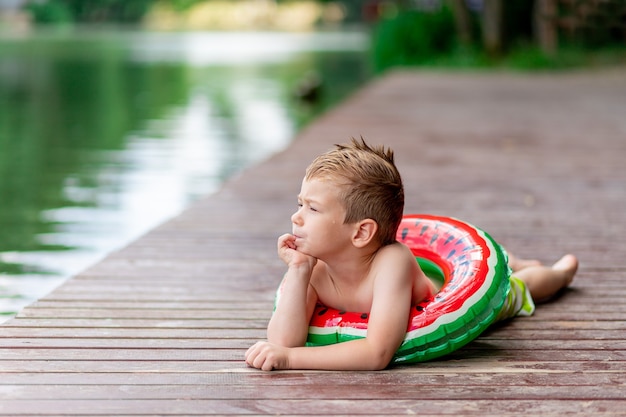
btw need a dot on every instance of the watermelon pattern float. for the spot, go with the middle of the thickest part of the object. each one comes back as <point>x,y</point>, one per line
<point>474,274</point>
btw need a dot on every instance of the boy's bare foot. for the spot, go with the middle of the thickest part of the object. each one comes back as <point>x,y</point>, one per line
<point>569,265</point>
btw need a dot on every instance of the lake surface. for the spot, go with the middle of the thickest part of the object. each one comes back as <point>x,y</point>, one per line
<point>105,134</point>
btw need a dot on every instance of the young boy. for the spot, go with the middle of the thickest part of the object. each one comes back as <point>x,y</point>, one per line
<point>342,253</point>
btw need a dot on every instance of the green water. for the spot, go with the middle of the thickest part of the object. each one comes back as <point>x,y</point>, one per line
<point>104,134</point>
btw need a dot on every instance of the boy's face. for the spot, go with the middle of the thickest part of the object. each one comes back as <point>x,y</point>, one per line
<point>318,224</point>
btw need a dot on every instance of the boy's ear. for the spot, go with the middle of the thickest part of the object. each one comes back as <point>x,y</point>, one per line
<point>364,232</point>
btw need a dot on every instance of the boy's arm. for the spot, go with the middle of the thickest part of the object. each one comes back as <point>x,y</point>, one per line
<point>289,324</point>
<point>386,329</point>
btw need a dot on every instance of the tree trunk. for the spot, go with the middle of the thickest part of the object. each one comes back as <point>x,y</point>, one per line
<point>462,21</point>
<point>492,26</point>
<point>545,25</point>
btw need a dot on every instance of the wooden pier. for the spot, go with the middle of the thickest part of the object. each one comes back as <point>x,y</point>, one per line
<point>161,326</point>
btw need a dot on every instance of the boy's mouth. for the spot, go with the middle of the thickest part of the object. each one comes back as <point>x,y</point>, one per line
<point>297,238</point>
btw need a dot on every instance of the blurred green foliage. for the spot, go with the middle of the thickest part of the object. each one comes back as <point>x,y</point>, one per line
<point>411,37</point>
<point>428,38</point>
<point>90,11</point>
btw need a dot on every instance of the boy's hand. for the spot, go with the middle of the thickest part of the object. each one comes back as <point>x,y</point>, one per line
<point>267,356</point>
<point>288,252</point>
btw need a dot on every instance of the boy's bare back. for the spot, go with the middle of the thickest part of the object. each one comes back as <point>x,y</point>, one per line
<point>358,295</point>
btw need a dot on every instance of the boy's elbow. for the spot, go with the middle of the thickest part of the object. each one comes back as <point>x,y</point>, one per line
<point>378,365</point>
<point>381,360</point>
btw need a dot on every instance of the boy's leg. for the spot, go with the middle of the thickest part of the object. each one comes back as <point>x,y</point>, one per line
<point>516,263</point>
<point>545,281</point>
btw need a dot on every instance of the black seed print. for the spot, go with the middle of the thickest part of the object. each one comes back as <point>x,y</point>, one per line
<point>364,316</point>
<point>404,232</point>
<point>322,312</point>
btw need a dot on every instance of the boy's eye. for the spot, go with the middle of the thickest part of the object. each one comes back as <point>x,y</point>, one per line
<point>300,205</point>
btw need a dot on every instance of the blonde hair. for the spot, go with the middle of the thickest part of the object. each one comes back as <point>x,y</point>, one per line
<point>371,186</point>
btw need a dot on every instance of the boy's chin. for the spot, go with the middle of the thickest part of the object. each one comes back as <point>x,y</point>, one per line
<point>305,251</point>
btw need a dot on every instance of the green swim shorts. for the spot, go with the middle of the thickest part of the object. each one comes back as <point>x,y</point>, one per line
<point>518,301</point>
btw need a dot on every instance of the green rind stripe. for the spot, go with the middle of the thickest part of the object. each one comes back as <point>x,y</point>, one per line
<point>454,330</point>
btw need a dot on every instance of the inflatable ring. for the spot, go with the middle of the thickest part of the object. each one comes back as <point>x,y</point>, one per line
<point>474,274</point>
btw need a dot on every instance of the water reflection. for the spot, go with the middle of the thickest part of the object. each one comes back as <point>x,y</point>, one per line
<point>235,48</point>
<point>103,135</point>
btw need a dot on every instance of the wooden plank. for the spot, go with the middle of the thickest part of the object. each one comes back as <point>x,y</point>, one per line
<point>173,322</point>
<point>487,343</point>
<point>225,332</point>
<point>147,343</point>
<point>163,297</point>
<point>546,407</point>
<point>464,363</point>
<point>608,290</point>
<point>105,366</point>
<point>174,306</point>
<point>310,379</point>
<point>563,316</point>
<point>279,392</point>
<point>164,343</point>
<point>122,354</point>
<point>125,333</point>
<point>146,313</point>
<point>205,354</point>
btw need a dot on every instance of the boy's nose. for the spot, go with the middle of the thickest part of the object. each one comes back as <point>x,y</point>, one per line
<point>295,217</point>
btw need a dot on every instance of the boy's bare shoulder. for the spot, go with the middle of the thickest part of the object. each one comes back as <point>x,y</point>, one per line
<point>397,258</point>
<point>398,265</point>
<point>395,251</point>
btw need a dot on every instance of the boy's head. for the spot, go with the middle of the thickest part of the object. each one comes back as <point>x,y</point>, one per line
<point>370,184</point>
